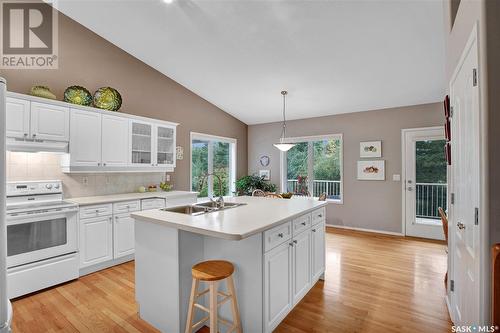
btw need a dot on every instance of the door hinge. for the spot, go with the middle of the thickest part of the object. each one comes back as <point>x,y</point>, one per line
<point>451,112</point>
<point>474,77</point>
<point>452,285</point>
<point>452,198</point>
<point>476,216</point>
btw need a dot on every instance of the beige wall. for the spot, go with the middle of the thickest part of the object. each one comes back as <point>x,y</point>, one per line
<point>367,204</point>
<point>88,60</point>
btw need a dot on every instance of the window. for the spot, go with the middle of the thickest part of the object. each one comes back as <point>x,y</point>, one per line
<point>314,166</point>
<point>212,154</point>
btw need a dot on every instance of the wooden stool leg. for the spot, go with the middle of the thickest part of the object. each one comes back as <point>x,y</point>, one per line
<point>189,321</point>
<point>234,304</point>
<point>214,316</point>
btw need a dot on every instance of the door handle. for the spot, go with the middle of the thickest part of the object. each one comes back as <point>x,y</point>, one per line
<point>460,225</point>
<point>409,188</point>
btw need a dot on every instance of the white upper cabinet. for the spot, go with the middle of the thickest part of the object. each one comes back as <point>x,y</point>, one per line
<point>99,140</point>
<point>141,143</point>
<point>115,136</point>
<point>17,118</point>
<point>165,145</point>
<point>85,138</point>
<point>37,121</point>
<point>49,122</point>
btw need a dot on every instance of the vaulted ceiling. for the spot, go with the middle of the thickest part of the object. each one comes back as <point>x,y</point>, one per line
<point>332,56</point>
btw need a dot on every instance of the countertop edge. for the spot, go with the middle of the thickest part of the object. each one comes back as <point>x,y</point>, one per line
<point>181,226</point>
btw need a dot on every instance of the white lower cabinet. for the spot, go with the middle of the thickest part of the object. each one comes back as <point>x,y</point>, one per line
<point>123,235</point>
<point>292,264</point>
<point>301,265</point>
<point>277,284</point>
<point>96,240</point>
<point>318,250</point>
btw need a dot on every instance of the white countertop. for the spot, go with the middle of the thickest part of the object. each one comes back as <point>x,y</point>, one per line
<point>257,215</point>
<point>82,201</point>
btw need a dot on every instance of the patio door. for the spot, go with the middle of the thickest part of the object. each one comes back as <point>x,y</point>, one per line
<point>425,181</point>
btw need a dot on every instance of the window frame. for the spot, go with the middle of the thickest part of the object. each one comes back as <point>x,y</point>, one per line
<point>283,161</point>
<point>232,160</point>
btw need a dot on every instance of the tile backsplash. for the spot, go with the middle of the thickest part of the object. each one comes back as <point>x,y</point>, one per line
<point>46,166</point>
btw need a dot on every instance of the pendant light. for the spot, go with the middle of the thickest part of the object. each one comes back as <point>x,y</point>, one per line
<point>283,145</point>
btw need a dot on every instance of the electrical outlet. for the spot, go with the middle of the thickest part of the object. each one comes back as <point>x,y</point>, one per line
<point>168,178</point>
<point>396,178</point>
<point>108,180</point>
<point>85,180</point>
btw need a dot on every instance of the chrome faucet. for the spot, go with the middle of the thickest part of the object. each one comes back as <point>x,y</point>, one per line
<point>219,202</point>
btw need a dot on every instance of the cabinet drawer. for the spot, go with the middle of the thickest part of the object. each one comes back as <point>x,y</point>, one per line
<point>277,235</point>
<point>318,216</point>
<point>154,203</point>
<point>95,211</point>
<point>301,223</point>
<point>126,207</point>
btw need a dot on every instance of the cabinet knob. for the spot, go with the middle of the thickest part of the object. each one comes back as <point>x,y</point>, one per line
<point>280,235</point>
<point>98,164</point>
<point>291,244</point>
<point>34,135</point>
<point>303,223</point>
<point>104,164</point>
<point>97,211</point>
<point>313,230</point>
<point>25,134</point>
<point>295,241</point>
<point>320,215</point>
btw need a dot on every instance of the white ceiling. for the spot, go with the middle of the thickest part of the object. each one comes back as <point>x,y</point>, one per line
<point>332,56</point>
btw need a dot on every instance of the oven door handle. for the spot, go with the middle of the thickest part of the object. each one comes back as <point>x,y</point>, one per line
<point>63,211</point>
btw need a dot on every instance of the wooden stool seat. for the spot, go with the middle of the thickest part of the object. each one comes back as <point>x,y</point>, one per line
<point>210,273</point>
<point>212,270</point>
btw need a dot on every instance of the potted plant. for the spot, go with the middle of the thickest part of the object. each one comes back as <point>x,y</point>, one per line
<point>246,185</point>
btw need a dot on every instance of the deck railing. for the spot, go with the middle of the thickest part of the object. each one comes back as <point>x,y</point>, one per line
<point>330,187</point>
<point>429,197</point>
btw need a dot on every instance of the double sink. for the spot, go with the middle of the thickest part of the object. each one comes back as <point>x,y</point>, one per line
<point>202,208</point>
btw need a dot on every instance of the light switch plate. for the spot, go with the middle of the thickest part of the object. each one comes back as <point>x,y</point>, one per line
<point>396,177</point>
<point>168,178</point>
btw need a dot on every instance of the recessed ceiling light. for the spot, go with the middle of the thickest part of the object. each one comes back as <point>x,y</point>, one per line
<point>168,1</point>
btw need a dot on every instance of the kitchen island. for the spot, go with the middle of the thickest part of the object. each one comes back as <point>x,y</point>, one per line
<point>276,245</point>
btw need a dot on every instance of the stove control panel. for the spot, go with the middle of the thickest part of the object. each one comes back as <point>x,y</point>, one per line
<point>34,187</point>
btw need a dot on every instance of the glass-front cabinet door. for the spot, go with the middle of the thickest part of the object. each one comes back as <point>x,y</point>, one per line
<point>142,144</point>
<point>165,145</point>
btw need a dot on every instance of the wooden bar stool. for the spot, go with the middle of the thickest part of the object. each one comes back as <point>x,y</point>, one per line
<point>212,272</point>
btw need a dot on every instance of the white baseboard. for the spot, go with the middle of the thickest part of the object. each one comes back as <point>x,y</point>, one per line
<point>365,230</point>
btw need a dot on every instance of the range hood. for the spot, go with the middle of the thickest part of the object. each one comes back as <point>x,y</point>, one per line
<point>35,146</point>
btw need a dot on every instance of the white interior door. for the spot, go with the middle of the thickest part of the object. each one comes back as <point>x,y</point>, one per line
<point>465,178</point>
<point>425,181</point>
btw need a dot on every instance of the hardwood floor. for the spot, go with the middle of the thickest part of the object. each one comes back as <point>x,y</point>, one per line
<point>374,283</point>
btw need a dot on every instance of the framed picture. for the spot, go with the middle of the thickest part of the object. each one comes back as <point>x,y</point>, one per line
<point>371,170</point>
<point>370,149</point>
<point>265,174</point>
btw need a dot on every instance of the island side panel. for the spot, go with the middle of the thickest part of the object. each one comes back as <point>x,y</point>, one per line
<point>247,257</point>
<point>157,275</point>
<point>190,253</point>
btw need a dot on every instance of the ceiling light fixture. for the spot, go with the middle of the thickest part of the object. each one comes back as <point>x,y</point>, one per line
<point>168,1</point>
<point>283,145</point>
